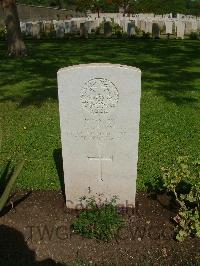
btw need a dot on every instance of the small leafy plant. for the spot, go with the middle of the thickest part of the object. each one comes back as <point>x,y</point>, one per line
<point>183,180</point>
<point>117,29</point>
<point>146,35</point>
<point>2,32</point>
<point>98,221</point>
<point>9,181</point>
<point>194,36</point>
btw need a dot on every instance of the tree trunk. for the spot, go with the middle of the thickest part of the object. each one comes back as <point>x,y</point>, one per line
<point>98,12</point>
<point>16,46</point>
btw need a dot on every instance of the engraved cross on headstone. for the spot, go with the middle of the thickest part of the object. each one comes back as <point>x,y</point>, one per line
<point>100,159</point>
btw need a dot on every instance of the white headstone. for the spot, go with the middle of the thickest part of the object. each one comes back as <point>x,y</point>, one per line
<point>88,27</point>
<point>99,114</point>
<point>169,26</point>
<point>23,27</point>
<point>142,25</point>
<point>188,27</point>
<point>67,24</point>
<point>36,30</point>
<point>198,25</point>
<point>148,28</point>
<point>28,28</point>
<point>194,25</point>
<point>59,27</point>
<point>131,29</point>
<point>180,27</point>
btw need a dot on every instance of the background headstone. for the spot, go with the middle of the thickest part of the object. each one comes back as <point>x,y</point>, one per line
<point>73,28</point>
<point>142,25</point>
<point>29,28</point>
<point>48,27</point>
<point>107,29</point>
<point>99,115</point>
<point>169,27</point>
<point>155,31</point>
<point>83,30</point>
<point>23,27</point>
<point>67,24</point>
<point>87,25</point>
<point>59,27</point>
<point>36,30</point>
<point>180,29</point>
<point>148,28</point>
<point>194,26</point>
<point>131,29</point>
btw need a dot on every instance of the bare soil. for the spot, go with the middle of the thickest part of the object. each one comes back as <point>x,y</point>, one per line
<point>37,231</point>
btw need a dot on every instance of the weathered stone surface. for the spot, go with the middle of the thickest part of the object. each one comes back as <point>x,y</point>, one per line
<point>107,29</point>
<point>100,113</point>
<point>155,31</point>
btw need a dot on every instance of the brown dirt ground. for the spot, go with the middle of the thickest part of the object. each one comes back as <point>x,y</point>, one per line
<point>37,231</point>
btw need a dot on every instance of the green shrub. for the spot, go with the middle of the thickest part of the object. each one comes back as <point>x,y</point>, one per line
<point>8,183</point>
<point>98,221</point>
<point>118,34</point>
<point>146,35</point>
<point>97,31</point>
<point>183,180</point>
<point>101,28</point>
<point>117,30</point>
<point>194,36</point>
<point>138,31</point>
<point>2,32</point>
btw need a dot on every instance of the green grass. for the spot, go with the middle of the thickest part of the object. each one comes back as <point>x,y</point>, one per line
<point>170,105</point>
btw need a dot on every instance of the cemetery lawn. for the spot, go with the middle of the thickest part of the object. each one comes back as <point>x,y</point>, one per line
<point>170,104</point>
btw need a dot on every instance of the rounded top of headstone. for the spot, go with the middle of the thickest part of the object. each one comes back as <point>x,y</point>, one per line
<point>74,67</point>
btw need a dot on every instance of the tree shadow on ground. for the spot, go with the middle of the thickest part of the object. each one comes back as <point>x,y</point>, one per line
<point>169,67</point>
<point>14,250</point>
<point>169,104</point>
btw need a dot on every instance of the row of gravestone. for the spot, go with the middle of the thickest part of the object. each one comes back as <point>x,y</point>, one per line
<point>84,27</point>
<point>142,16</point>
